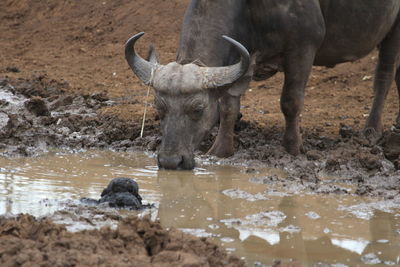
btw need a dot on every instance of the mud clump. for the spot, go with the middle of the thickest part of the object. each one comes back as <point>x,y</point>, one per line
<point>121,185</point>
<point>313,155</point>
<point>136,242</point>
<point>346,131</point>
<point>62,101</point>
<point>391,145</point>
<point>37,106</point>
<point>370,162</point>
<point>397,164</point>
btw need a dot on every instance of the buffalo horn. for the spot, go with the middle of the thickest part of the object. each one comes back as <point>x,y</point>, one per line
<point>142,68</point>
<point>212,77</point>
<point>215,77</point>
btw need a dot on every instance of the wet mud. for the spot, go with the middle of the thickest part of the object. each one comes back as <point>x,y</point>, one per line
<point>38,116</point>
<point>237,207</point>
<point>135,242</point>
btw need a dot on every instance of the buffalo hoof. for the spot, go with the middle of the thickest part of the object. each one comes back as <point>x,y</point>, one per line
<point>397,125</point>
<point>292,145</point>
<point>372,135</point>
<point>294,151</point>
<point>221,150</point>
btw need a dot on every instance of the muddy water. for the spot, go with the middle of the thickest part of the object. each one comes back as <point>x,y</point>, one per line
<point>229,204</point>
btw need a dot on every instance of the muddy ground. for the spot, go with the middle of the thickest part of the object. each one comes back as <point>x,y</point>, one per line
<point>64,83</point>
<point>26,241</point>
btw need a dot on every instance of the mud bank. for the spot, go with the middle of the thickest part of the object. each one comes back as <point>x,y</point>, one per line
<point>25,241</point>
<point>37,115</point>
<point>349,164</point>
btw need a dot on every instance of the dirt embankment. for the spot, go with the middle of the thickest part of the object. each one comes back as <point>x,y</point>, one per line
<point>80,45</point>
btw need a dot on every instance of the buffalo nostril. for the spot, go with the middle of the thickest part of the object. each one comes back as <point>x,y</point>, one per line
<point>171,162</point>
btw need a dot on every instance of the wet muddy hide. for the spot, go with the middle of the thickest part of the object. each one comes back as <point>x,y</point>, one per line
<point>120,193</point>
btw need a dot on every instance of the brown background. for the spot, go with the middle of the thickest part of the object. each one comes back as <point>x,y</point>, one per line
<point>80,44</point>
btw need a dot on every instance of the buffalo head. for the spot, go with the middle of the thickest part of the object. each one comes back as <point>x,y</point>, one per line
<point>186,99</point>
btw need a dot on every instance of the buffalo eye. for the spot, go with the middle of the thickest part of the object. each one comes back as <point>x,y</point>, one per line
<point>195,112</point>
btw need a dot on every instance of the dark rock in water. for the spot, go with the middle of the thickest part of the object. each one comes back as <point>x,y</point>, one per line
<point>119,185</point>
<point>122,199</point>
<point>120,193</point>
<point>37,106</point>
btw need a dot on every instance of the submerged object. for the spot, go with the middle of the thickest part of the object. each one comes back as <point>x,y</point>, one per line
<point>120,193</point>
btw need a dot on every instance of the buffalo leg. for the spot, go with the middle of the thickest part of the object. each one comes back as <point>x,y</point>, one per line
<point>389,52</point>
<point>229,109</point>
<point>398,90</point>
<point>297,67</point>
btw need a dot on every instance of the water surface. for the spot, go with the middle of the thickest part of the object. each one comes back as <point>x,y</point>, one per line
<point>216,201</point>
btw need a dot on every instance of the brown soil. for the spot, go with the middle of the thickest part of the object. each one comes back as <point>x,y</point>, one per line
<point>26,241</point>
<point>80,45</point>
<point>67,58</point>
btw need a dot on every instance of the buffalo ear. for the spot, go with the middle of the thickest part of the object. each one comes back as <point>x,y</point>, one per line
<point>152,55</point>
<point>241,85</point>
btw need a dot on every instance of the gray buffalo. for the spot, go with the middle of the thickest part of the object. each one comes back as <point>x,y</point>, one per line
<point>210,74</point>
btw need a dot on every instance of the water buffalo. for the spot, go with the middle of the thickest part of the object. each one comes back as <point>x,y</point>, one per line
<point>281,35</point>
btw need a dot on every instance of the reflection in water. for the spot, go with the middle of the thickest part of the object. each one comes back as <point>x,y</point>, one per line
<point>218,202</point>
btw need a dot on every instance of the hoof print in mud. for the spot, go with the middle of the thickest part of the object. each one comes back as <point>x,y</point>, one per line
<point>120,193</point>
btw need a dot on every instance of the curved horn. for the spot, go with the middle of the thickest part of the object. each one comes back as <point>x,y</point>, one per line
<point>220,76</point>
<point>140,67</point>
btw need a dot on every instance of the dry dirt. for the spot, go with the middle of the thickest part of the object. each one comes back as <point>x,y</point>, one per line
<point>64,60</point>
<point>80,45</point>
